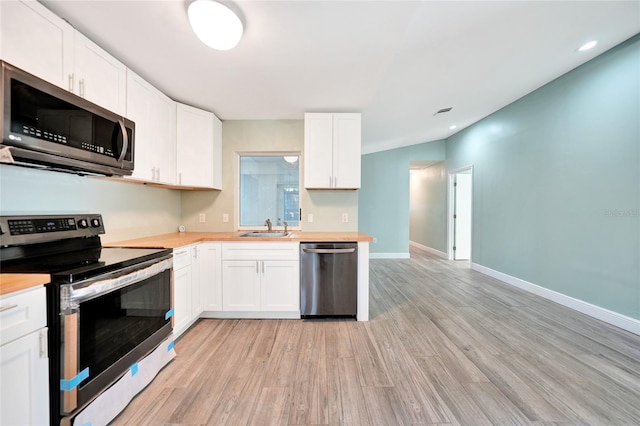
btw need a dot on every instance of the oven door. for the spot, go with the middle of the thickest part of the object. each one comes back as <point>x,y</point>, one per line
<point>108,324</point>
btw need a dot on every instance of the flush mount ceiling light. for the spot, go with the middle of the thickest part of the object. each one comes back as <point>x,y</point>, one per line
<point>587,46</point>
<point>215,24</point>
<point>452,127</point>
<point>291,158</point>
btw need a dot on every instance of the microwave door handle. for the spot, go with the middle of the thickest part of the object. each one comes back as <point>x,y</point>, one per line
<point>125,140</point>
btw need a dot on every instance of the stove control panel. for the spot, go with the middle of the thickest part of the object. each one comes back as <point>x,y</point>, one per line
<point>34,229</point>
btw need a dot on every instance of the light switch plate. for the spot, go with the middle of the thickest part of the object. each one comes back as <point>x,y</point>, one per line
<point>310,217</point>
<point>225,217</point>
<point>202,218</point>
<point>345,217</point>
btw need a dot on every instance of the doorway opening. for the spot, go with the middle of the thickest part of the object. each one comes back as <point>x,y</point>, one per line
<point>460,213</point>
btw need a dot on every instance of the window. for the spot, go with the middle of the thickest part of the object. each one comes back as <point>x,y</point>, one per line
<point>269,189</point>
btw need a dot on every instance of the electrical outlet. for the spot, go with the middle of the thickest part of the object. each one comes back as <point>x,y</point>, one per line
<point>202,218</point>
<point>345,217</point>
<point>225,217</point>
<point>310,217</point>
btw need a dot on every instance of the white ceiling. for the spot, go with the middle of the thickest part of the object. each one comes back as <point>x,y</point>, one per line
<point>397,62</point>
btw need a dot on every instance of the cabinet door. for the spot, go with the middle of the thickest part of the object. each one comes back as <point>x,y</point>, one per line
<point>195,146</point>
<point>24,368</point>
<point>346,150</point>
<point>99,77</point>
<point>280,285</point>
<point>140,96</point>
<point>318,150</point>
<point>210,267</point>
<point>217,153</point>
<point>164,126</point>
<point>155,117</point>
<point>240,285</point>
<point>36,40</point>
<point>181,299</point>
<point>197,302</point>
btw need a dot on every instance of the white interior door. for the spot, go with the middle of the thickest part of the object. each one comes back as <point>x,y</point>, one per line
<point>462,216</point>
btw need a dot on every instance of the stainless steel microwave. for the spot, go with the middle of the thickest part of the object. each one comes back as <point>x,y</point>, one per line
<point>46,126</point>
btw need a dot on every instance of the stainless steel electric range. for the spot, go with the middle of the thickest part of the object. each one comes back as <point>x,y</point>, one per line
<point>106,307</point>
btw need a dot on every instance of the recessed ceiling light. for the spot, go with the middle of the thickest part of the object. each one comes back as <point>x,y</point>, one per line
<point>453,126</point>
<point>215,24</point>
<point>587,46</point>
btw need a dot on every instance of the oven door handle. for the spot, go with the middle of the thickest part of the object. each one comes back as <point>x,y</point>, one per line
<point>103,284</point>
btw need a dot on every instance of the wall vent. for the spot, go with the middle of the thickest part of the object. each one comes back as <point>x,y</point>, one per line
<point>443,110</point>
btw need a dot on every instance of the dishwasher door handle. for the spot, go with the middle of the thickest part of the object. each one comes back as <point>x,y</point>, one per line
<point>329,251</point>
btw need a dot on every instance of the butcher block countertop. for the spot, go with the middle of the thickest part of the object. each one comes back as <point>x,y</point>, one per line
<point>179,239</point>
<point>16,282</point>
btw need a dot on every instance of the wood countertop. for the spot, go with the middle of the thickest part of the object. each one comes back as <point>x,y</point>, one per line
<point>16,282</point>
<point>179,239</point>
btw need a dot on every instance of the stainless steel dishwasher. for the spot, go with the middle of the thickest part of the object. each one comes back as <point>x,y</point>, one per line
<point>328,279</point>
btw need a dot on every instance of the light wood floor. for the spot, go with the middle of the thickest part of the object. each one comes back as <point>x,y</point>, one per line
<point>445,345</point>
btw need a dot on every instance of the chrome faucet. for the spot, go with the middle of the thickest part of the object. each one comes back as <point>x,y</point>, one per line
<point>268,224</point>
<point>285,226</point>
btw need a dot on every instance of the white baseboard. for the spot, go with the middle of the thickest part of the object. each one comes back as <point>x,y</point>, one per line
<point>389,256</point>
<point>429,249</point>
<point>622,321</point>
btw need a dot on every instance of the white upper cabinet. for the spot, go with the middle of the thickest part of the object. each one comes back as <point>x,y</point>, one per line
<point>36,40</point>
<point>39,42</point>
<point>332,147</point>
<point>199,148</point>
<point>154,115</point>
<point>99,77</point>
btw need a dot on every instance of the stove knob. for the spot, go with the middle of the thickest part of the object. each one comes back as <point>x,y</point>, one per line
<point>82,223</point>
<point>95,222</point>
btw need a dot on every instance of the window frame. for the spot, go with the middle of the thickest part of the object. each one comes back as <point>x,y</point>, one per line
<point>236,173</point>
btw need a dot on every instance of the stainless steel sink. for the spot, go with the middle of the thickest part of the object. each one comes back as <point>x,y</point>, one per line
<point>265,234</point>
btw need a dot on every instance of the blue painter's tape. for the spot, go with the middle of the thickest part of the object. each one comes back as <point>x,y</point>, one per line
<point>87,424</point>
<point>170,346</point>
<point>134,369</point>
<point>67,385</point>
<point>169,314</point>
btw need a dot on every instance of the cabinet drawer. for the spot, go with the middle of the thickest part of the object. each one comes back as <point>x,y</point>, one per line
<point>22,313</point>
<point>261,251</point>
<point>181,258</point>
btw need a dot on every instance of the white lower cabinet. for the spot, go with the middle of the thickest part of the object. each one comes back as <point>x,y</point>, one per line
<point>210,276</point>
<point>241,285</point>
<point>261,277</point>
<point>182,289</point>
<point>24,359</point>
<point>280,286</point>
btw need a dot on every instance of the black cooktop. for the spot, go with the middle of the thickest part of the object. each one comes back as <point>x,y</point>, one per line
<point>66,246</point>
<point>75,265</point>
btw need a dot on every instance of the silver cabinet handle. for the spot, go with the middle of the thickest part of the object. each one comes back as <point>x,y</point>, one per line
<point>178,253</point>
<point>335,181</point>
<point>81,87</point>
<point>179,178</point>
<point>7,307</point>
<point>257,271</point>
<point>330,180</point>
<point>158,174</point>
<point>329,251</point>
<point>43,344</point>
<point>262,267</point>
<point>71,83</point>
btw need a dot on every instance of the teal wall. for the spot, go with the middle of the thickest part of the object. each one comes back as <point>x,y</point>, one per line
<point>383,207</point>
<point>128,210</point>
<point>557,183</point>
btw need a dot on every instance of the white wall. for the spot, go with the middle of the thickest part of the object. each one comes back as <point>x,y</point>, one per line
<point>428,206</point>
